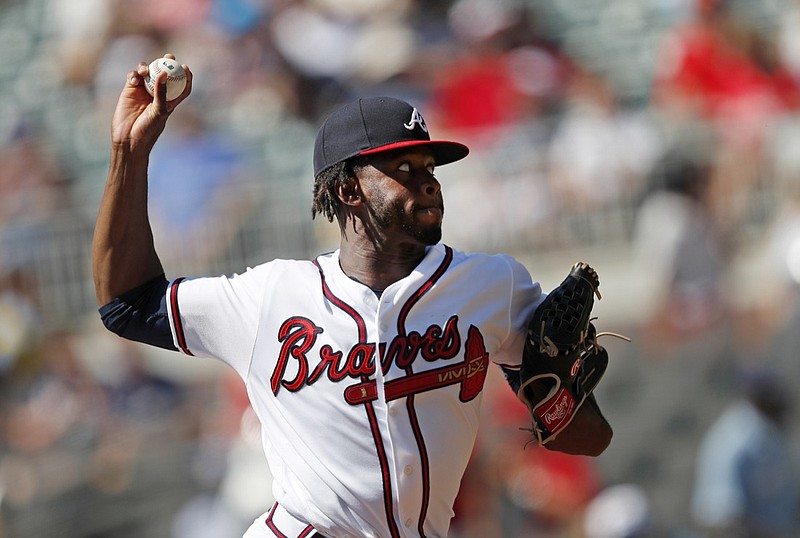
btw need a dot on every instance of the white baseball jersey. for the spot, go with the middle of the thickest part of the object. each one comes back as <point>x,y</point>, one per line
<point>369,405</point>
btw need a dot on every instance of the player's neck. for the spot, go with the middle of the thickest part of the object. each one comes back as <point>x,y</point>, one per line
<point>378,269</point>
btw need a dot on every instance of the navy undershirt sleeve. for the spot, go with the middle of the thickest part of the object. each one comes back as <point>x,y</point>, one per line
<point>512,377</point>
<point>141,314</point>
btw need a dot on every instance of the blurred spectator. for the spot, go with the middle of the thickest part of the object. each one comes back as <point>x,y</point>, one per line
<point>244,491</point>
<point>477,95</point>
<point>136,393</point>
<point>238,17</point>
<point>118,55</point>
<point>783,242</point>
<point>169,16</point>
<point>788,39</point>
<point>335,45</point>
<point>719,67</point>
<point>542,492</point>
<point>681,245</point>
<point>600,153</point>
<point>500,75</point>
<point>78,32</point>
<point>33,184</point>
<point>746,483</point>
<point>19,318</point>
<point>50,418</point>
<point>53,400</point>
<point>70,443</point>
<point>619,511</point>
<point>770,322</point>
<point>198,203</point>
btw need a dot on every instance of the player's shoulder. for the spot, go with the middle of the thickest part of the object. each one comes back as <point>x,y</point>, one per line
<point>278,267</point>
<point>482,258</point>
<point>497,264</point>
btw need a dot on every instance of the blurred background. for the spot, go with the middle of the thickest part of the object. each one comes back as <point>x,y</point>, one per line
<point>658,140</point>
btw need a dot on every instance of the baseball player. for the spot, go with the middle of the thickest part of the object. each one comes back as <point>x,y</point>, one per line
<point>364,365</point>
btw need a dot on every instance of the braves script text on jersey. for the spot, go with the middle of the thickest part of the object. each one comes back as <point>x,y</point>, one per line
<point>356,449</point>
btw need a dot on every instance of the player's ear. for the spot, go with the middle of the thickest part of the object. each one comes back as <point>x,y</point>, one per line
<point>349,191</point>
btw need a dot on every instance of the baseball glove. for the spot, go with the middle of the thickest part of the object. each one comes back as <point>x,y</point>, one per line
<point>562,362</point>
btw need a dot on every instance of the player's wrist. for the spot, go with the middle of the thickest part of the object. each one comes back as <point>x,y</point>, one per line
<point>128,160</point>
<point>127,148</point>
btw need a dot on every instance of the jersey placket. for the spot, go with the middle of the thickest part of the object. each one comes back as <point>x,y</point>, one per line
<point>400,441</point>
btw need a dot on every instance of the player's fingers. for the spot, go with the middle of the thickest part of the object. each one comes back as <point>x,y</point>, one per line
<point>169,55</point>
<point>160,93</point>
<point>188,89</point>
<point>133,78</point>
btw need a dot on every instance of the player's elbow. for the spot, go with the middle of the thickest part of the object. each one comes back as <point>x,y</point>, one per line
<point>141,315</point>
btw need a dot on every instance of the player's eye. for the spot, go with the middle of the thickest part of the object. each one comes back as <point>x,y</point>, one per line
<point>404,167</point>
<point>431,169</point>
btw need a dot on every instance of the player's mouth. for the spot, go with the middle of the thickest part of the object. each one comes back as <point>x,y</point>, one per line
<point>433,214</point>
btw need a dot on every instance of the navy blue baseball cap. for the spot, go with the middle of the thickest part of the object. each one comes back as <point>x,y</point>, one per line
<point>376,124</point>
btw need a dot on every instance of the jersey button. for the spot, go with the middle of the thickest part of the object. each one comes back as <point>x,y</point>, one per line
<point>408,470</point>
<point>409,522</point>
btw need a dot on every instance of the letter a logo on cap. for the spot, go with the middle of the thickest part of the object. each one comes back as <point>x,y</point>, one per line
<point>416,117</point>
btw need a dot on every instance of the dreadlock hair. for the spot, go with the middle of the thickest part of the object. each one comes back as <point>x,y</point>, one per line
<point>326,201</point>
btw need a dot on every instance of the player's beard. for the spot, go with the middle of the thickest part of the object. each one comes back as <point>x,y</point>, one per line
<point>388,214</point>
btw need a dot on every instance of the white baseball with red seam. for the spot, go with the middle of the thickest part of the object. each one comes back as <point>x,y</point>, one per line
<point>176,77</point>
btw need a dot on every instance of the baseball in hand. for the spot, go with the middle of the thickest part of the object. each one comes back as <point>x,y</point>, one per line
<point>176,79</point>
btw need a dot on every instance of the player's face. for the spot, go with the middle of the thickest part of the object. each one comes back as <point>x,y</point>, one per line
<point>403,196</point>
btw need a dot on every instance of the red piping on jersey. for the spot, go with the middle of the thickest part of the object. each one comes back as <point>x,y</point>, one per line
<point>412,413</point>
<point>401,319</point>
<point>176,316</point>
<point>386,476</point>
<point>349,310</point>
<point>424,463</point>
<point>271,525</point>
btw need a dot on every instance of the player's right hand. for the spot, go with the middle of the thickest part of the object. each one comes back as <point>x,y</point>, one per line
<point>139,119</point>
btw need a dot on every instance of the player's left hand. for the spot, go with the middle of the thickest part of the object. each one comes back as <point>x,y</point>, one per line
<point>562,362</point>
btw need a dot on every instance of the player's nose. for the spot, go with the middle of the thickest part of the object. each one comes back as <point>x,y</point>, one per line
<point>430,185</point>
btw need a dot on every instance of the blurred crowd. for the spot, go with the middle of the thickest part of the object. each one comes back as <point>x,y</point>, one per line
<point>660,135</point>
